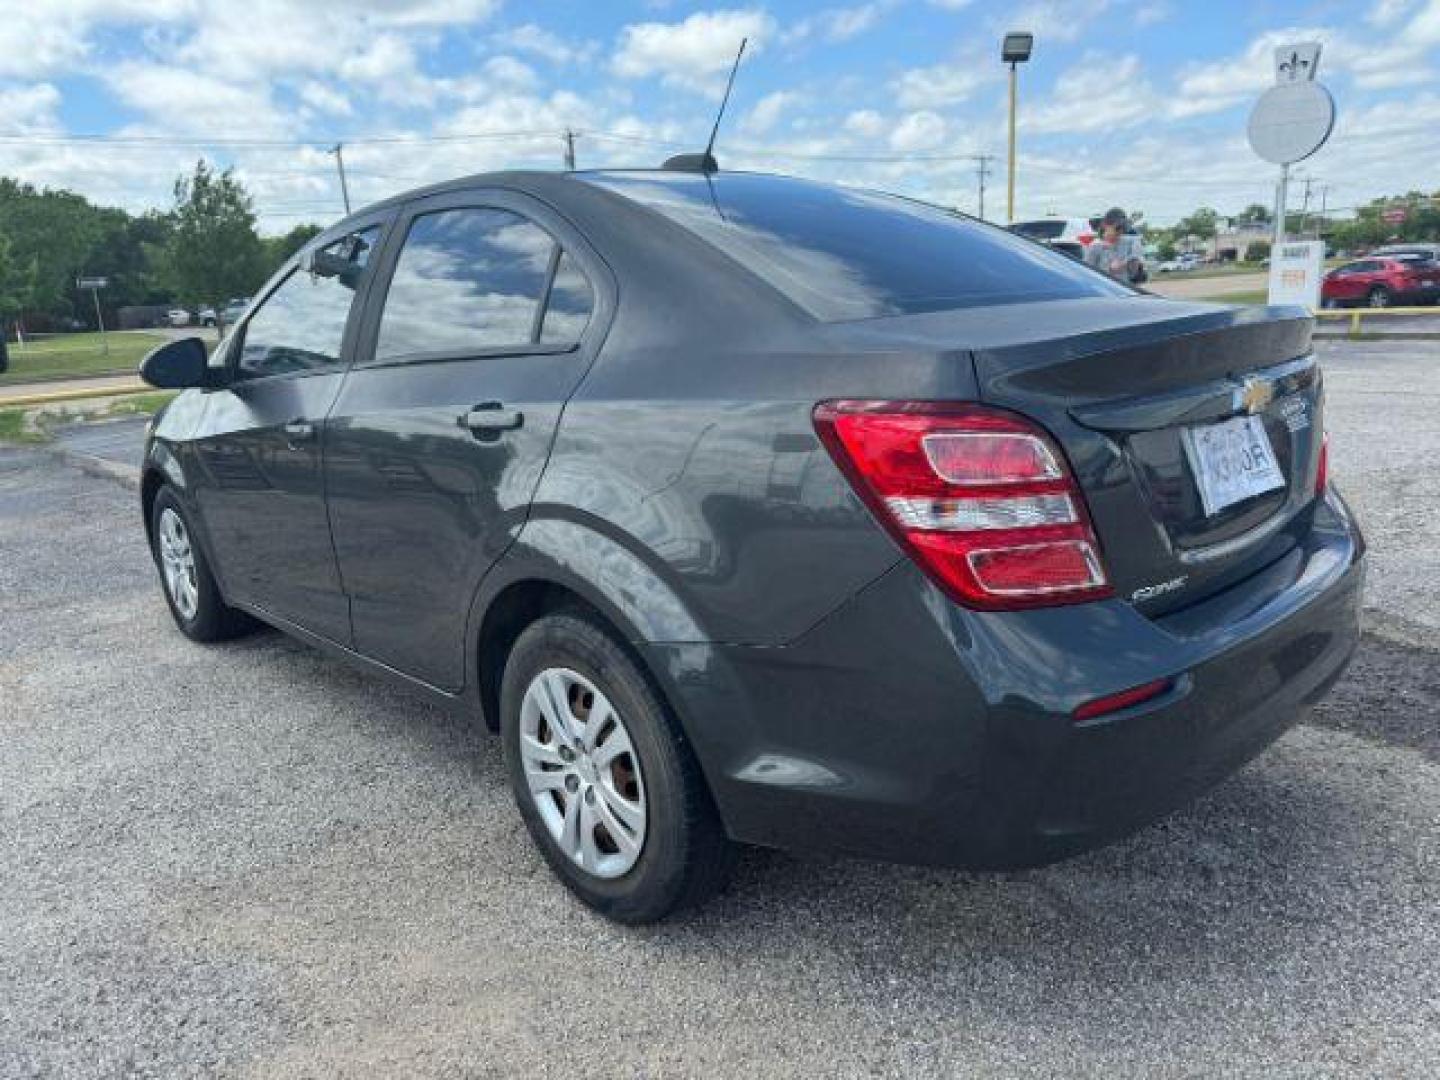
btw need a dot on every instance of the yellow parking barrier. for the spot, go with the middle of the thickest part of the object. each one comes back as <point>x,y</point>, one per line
<point>1358,313</point>
<point>26,400</point>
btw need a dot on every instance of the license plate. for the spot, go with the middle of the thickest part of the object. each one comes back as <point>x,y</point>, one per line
<point>1232,461</point>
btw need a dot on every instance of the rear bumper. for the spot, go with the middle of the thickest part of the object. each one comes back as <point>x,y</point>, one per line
<point>906,728</point>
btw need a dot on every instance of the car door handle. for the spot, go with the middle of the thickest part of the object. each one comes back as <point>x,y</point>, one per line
<point>299,431</point>
<point>491,416</point>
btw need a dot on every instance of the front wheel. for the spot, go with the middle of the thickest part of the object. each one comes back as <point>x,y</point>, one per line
<point>1378,297</point>
<point>604,779</point>
<point>189,586</point>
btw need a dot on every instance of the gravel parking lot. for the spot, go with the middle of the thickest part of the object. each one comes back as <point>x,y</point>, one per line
<point>250,860</point>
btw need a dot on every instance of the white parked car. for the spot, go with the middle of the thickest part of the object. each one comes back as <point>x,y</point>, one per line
<point>1181,263</point>
<point>1070,235</point>
<point>178,317</point>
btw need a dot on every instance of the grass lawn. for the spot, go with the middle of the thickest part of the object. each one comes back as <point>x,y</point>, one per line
<point>1223,270</point>
<point>78,354</point>
<point>1255,296</point>
<point>31,424</point>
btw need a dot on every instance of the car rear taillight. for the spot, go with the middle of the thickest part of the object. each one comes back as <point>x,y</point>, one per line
<point>1322,468</point>
<point>980,498</point>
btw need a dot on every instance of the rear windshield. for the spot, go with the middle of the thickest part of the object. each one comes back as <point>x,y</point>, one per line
<point>1039,230</point>
<point>843,254</point>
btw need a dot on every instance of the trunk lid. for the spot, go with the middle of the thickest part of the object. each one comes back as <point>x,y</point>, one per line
<point>1131,388</point>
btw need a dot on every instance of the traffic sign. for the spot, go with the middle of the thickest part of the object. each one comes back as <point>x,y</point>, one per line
<point>1291,121</point>
<point>91,282</point>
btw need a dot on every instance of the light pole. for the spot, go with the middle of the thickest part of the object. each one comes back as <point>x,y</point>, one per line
<point>1014,50</point>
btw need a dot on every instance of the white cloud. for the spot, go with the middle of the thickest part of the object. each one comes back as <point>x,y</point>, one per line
<point>509,72</point>
<point>183,102</point>
<point>1148,14</point>
<point>942,84</point>
<point>1053,20</point>
<point>540,42</point>
<point>325,98</point>
<point>1387,12</point>
<point>837,24</point>
<point>39,38</point>
<point>30,110</point>
<point>769,109</point>
<point>952,5</point>
<point>694,53</point>
<point>922,130</point>
<point>867,123</point>
<point>1099,93</point>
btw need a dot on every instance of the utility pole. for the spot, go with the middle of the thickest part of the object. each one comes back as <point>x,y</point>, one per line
<point>569,150</point>
<point>339,151</point>
<point>1324,202</point>
<point>982,170</point>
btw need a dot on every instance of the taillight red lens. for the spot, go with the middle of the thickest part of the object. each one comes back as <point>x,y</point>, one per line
<point>1322,468</point>
<point>980,498</point>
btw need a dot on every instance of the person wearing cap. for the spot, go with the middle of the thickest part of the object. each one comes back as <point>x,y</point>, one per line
<point>1117,251</point>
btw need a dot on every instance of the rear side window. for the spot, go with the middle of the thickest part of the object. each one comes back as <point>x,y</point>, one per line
<point>842,254</point>
<point>571,300</point>
<point>1039,230</point>
<point>299,326</point>
<point>471,281</point>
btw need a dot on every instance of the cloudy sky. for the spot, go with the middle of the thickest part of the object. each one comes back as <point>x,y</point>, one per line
<point>1136,102</point>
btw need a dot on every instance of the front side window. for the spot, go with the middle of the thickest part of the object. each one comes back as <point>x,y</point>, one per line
<point>299,326</point>
<point>467,281</point>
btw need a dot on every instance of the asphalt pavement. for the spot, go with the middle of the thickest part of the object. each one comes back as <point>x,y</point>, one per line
<point>251,860</point>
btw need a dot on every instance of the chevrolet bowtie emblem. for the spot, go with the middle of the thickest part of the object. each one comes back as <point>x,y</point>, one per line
<point>1254,395</point>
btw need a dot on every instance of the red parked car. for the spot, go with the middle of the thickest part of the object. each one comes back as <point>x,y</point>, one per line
<point>1380,281</point>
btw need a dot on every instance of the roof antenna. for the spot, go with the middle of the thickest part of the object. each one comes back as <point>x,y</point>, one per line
<point>706,163</point>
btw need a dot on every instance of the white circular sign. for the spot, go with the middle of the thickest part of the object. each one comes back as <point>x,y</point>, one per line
<point>1291,121</point>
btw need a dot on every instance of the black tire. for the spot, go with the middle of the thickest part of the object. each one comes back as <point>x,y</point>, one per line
<point>212,619</point>
<point>1379,297</point>
<point>685,856</point>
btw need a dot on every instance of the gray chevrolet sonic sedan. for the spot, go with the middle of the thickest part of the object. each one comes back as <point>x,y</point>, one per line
<point>754,510</point>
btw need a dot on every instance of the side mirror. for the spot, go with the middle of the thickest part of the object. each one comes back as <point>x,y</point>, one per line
<point>176,365</point>
<point>328,264</point>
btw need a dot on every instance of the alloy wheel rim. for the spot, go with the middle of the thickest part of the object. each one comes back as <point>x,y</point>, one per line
<point>1379,299</point>
<point>582,772</point>
<point>177,563</point>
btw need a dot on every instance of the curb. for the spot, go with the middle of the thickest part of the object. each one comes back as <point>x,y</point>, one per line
<point>1338,335</point>
<point>25,400</point>
<point>124,475</point>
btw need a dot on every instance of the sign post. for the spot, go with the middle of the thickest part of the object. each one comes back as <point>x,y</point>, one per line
<point>95,284</point>
<point>1291,121</point>
<point>1296,268</point>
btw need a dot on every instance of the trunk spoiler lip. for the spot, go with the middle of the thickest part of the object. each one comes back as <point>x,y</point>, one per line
<point>1208,401</point>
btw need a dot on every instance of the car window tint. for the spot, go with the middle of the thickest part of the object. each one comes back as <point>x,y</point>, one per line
<point>299,326</point>
<point>1039,230</point>
<point>846,254</point>
<point>466,281</point>
<point>571,300</point>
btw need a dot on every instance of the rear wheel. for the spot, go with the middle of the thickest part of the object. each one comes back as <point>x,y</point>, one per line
<point>1378,297</point>
<point>189,586</point>
<point>603,777</point>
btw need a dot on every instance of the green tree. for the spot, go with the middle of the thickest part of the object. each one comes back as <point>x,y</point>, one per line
<point>213,250</point>
<point>51,233</point>
<point>1255,214</point>
<point>280,248</point>
<point>1203,224</point>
